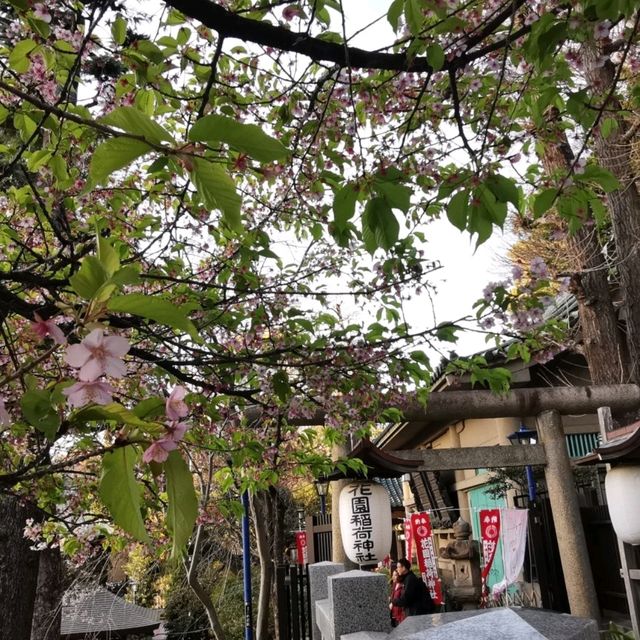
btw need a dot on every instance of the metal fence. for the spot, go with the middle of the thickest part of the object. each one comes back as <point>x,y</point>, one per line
<point>293,602</point>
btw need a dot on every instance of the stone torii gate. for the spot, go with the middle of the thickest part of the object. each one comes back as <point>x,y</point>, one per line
<point>547,404</point>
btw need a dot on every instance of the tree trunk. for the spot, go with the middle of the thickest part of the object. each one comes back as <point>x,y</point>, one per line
<point>601,338</point>
<point>262,511</point>
<point>47,610</point>
<point>18,569</point>
<point>614,154</point>
<point>201,593</point>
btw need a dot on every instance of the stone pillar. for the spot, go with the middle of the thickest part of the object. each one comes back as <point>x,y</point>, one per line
<point>319,573</point>
<point>357,601</point>
<point>337,550</point>
<point>563,497</point>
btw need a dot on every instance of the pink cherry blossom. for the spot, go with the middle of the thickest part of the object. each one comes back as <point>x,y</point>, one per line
<point>43,328</point>
<point>82,393</point>
<point>601,30</point>
<point>159,450</point>
<point>175,406</point>
<point>97,355</point>
<point>292,11</point>
<point>177,430</point>
<point>5,418</point>
<point>41,13</point>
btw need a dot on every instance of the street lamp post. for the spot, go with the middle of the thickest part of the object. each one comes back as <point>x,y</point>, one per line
<point>322,488</point>
<point>525,435</point>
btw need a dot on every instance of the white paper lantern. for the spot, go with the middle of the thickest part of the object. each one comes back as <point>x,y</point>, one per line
<point>622,485</point>
<point>365,522</point>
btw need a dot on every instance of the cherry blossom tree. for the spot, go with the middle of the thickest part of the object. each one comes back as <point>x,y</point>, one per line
<point>197,196</point>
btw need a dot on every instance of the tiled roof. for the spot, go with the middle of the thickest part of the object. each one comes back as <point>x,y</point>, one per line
<point>91,610</point>
<point>394,487</point>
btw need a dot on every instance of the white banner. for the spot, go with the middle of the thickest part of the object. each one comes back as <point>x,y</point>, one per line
<point>514,543</point>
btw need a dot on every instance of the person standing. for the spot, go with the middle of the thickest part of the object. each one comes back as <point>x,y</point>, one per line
<point>415,598</point>
<point>397,612</point>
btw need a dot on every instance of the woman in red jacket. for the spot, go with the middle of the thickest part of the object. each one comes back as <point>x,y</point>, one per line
<point>398,613</point>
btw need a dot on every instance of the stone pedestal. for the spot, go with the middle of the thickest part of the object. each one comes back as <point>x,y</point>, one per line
<point>357,601</point>
<point>459,563</point>
<point>319,573</point>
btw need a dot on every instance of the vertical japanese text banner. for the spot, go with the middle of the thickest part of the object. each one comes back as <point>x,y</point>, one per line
<point>490,536</point>
<point>408,539</point>
<point>301,546</point>
<point>425,550</point>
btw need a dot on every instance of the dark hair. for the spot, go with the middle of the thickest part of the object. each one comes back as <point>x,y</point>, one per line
<point>405,563</point>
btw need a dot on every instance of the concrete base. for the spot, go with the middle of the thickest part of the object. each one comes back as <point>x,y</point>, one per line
<point>516,623</point>
<point>358,601</point>
<point>319,573</point>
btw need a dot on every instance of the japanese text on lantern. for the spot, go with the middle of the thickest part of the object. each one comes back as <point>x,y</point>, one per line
<point>360,522</point>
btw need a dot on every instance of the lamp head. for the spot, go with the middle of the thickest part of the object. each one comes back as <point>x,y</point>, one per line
<point>322,485</point>
<point>523,435</point>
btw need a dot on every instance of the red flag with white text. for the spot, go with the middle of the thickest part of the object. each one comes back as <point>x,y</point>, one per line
<point>490,536</point>
<point>425,551</point>
<point>408,540</point>
<point>301,546</point>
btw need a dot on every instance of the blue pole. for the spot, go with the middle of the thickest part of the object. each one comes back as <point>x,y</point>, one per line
<point>246,569</point>
<point>531,484</point>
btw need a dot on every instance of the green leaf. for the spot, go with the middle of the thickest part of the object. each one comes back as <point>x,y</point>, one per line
<point>89,278</point>
<point>150,407</point>
<point>394,13</point>
<point>119,30</point>
<point>114,412</point>
<point>37,410</point>
<point>481,223</point>
<point>107,256</point>
<point>504,189</point>
<point>120,492</point>
<point>380,227</point>
<point>155,308</point>
<point>435,56</point>
<point>115,154</point>
<point>183,503</point>
<point>280,382</point>
<point>447,332</point>
<point>609,126</point>
<point>127,275</point>
<point>414,16</point>
<point>593,173</point>
<point>544,201</point>
<point>247,138</point>
<point>458,210</point>
<point>133,121</point>
<point>344,204</point>
<point>397,196</point>
<point>18,58</point>
<point>218,191</point>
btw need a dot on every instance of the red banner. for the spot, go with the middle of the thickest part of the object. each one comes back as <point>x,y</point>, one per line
<point>425,550</point>
<point>490,536</point>
<point>301,546</point>
<point>408,540</point>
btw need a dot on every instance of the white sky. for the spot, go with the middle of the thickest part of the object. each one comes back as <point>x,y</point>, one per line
<point>465,272</point>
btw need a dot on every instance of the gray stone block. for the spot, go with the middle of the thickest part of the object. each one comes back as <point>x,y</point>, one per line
<point>319,572</point>
<point>359,602</point>
<point>324,619</point>
<point>516,623</point>
<point>365,635</point>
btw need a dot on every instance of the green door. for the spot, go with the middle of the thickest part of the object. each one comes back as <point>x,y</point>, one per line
<point>480,499</point>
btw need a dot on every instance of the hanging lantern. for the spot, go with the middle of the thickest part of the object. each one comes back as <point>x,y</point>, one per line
<point>621,483</point>
<point>365,522</point>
